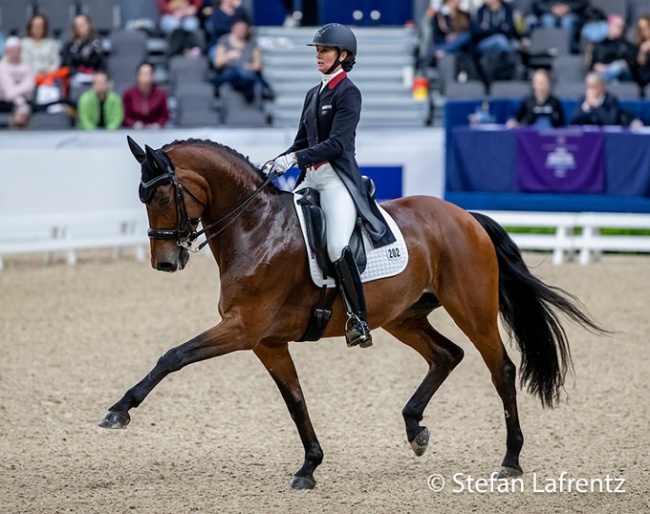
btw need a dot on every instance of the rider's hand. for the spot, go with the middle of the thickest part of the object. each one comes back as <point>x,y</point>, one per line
<point>284,162</point>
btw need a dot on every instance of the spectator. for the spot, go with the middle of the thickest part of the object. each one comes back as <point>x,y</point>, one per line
<point>642,40</point>
<point>494,27</point>
<point>239,62</point>
<point>145,106</point>
<point>493,34</point>
<point>83,54</point>
<point>179,14</point>
<point>598,107</point>
<point>223,16</point>
<point>16,84</point>
<point>450,28</point>
<point>540,108</point>
<point>41,54</point>
<point>567,14</point>
<point>613,56</point>
<point>100,107</point>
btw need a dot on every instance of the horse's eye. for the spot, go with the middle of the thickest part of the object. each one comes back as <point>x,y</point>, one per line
<point>164,201</point>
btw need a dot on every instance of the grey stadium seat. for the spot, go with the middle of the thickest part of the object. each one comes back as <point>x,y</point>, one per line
<point>470,90</point>
<point>625,90</point>
<point>510,89</point>
<point>129,42</point>
<point>104,13</point>
<point>187,69</point>
<point>570,90</point>
<point>194,104</point>
<point>569,68</point>
<point>14,15</point>
<point>47,121</point>
<point>59,13</point>
<point>236,112</point>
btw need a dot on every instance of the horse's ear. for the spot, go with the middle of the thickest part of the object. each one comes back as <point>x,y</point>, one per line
<point>136,150</point>
<point>153,161</point>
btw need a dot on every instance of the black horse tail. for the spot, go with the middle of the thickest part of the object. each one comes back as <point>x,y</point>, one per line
<point>528,307</point>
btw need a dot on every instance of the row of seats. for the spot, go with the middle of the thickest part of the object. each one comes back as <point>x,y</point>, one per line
<point>14,14</point>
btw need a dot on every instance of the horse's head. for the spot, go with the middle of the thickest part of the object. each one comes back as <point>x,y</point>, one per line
<point>175,201</point>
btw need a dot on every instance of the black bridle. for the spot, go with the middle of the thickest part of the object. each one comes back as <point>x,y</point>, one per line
<point>185,234</point>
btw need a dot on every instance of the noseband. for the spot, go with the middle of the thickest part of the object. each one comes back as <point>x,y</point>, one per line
<point>184,234</point>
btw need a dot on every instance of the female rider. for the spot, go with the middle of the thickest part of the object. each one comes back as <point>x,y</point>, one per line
<point>324,149</point>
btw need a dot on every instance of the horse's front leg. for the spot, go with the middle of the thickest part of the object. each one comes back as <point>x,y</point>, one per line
<point>279,364</point>
<point>224,338</point>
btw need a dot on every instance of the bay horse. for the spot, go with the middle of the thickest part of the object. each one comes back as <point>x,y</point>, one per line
<point>463,262</point>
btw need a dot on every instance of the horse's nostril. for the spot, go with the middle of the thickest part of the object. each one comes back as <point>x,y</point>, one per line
<point>165,266</point>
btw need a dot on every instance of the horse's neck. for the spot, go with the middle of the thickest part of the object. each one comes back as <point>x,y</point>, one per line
<point>231,186</point>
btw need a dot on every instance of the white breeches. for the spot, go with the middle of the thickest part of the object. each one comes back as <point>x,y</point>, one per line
<point>338,207</point>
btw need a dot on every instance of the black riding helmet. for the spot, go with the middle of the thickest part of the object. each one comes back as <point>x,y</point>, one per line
<point>341,37</point>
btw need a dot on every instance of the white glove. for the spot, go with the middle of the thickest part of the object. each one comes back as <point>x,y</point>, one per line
<point>284,162</point>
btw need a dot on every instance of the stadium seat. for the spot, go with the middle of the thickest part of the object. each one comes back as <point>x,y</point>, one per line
<point>187,69</point>
<point>546,41</point>
<point>620,7</point>
<point>625,90</point>
<point>129,42</point>
<point>570,90</point>
<point>236,112</point>
<point>59,13</point>
<point>123,70</point>
<point>569,68</point>
<point>509,89</point>
<point>14,15</point>
<point>104,13</point>
<point>48,121</point>
<point>471,90</point>
<point>194,105</point>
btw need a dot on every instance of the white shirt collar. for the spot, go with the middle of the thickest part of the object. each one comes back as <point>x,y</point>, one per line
<point>325,79</point>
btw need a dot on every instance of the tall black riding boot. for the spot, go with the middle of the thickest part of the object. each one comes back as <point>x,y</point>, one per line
<point>348,280</point>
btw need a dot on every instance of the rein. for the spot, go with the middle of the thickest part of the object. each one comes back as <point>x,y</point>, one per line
<point>184,235</point>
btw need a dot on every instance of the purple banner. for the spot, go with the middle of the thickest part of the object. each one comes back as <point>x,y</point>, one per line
<point>560,161</point>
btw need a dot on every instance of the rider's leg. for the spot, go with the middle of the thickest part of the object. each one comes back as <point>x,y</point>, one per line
<point>340,219</point>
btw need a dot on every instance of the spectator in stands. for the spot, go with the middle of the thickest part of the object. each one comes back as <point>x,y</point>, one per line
<point>494,27</point>
<point>223,16</point>
<point>567,14</point>
<point>493,36</point>
<point>16,84</point>
<point>179,14</point>
<point>613,56</point>
<point>540,108</point>
<point>145,105</point>
<point>598,107</point>
<point>239,62</point>
<point>41,54</point>
<point>100,107</point>
<point>83,54</point>
<point>642,40</point>
<point>450,27</point>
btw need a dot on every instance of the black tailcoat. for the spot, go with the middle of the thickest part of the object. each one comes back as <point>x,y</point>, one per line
<point>327,133</point>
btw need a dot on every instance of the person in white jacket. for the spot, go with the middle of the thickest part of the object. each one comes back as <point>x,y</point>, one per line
<point>16,84</point>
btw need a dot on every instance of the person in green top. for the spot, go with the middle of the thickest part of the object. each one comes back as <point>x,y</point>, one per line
<point>100,107</point>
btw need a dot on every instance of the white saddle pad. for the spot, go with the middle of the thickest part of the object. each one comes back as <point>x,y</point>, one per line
<point>383,262</point>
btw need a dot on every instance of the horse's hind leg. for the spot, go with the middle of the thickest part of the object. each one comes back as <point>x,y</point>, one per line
<point>483,331</point>
<point>279,364</point>
<point>441,354</point>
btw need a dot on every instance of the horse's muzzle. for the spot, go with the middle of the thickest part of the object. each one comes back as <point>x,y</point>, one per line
<point>174,262</point>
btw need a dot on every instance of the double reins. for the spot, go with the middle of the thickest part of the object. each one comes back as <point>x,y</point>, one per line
<point>184,235</point>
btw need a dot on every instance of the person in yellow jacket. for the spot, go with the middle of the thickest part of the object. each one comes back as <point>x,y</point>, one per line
<point>100,107</point>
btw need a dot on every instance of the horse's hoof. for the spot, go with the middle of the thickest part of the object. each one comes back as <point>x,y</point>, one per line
<point>421,442</point>
<point>115,420</point>
<point>302,483</point>
<point>508,472</point>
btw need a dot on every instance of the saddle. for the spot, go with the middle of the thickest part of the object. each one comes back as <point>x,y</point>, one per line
<point>317,230</point>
